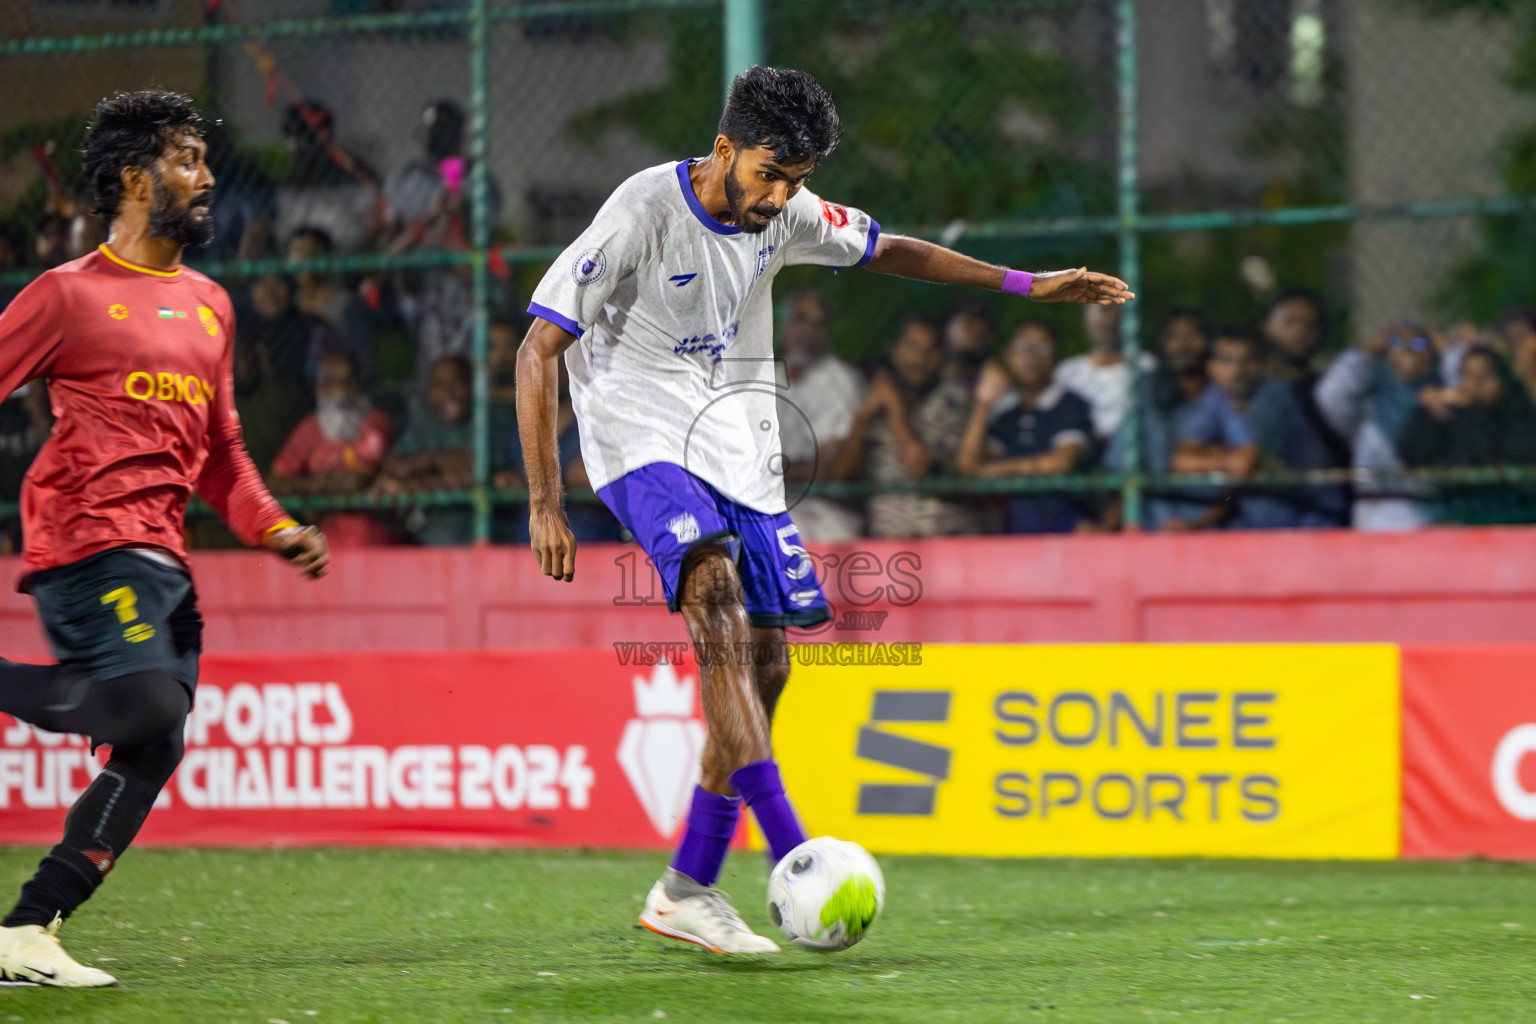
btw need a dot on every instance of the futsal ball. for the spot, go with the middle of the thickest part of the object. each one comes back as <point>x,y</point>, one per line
<point>825,894</point>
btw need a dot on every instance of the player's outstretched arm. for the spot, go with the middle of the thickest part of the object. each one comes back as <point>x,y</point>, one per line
<point>538,407</point>
<point>923,261</point>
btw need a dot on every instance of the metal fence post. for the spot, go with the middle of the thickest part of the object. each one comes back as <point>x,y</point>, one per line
<point>1130,261</point>
<point>481,231</point>
<point>743,37</point>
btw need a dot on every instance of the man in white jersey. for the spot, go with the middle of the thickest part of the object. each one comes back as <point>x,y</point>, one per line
<point>663,311</point>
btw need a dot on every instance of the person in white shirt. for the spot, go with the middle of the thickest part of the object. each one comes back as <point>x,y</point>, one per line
<point>1101,375</point>
<point>819,397</point>
<point>663,312</point>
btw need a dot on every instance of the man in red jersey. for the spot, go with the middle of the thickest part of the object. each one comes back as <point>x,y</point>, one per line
<point>137,353</point>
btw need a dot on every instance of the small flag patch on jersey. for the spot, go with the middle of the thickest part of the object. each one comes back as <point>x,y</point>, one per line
<point>166,312</point>
<point>834,214</point>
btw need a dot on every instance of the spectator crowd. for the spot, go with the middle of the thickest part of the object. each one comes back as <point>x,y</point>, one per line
<point>361,384</point>
<point>1228,408</point>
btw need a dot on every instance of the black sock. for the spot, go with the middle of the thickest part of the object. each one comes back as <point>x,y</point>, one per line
<point>64,880</point>
<point>108,814</point>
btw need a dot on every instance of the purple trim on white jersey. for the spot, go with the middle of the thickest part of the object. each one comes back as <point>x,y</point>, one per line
<point>560,320</point>
<point>869,246</point>
<point>698,207</point>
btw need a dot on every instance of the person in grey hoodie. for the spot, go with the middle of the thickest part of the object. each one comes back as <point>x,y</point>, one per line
<point>1368,396</point>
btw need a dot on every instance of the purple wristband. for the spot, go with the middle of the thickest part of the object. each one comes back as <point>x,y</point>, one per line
<point>1017,282</point>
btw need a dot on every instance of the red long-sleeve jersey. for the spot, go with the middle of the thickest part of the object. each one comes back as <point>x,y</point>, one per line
<point>138,365</point>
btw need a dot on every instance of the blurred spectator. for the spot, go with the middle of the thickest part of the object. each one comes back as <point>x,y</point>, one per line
<point>1516,329</point>
<point>1294,328</point>
<point>326,187</point>
<point>820,397</point>
<point>509,523</point>
<point>245,201</point>
<point>336,450</point>
<point>270,406</point>
<point>1101,375</point>
<point>1245,422</point>
<point>1167,398</point>
<point>427,200</point>
<point>1022,423</point>
<point>1489,420</point>
<point>436,453</point>
<point>427,207</point>
<point>86,230</point>
<point>316,292</point>
<point>1295,331</point>
<point>289,342</point>
<point>1368,395</point>
<point>970,337</point>
<point>909,427</point>
<point>321,295</point>
<point>502,341</point>
<point>10,259</point>
<point>52,245</point>
<point>25,423</point>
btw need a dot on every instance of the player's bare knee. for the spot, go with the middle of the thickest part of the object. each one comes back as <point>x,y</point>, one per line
<point>712,588</point>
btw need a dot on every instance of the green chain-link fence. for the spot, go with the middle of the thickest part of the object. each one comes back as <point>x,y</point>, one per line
<point>1211,152</point>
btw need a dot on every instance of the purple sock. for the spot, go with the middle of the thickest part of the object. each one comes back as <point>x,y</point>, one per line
<point>761,787</point>
<point>711,825</point>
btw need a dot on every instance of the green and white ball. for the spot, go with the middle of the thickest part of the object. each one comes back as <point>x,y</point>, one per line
<point>825,894</point>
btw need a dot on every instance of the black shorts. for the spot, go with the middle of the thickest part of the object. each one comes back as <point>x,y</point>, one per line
<point>119,612</point>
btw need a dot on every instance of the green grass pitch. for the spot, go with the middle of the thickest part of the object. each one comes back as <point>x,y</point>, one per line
<point>391,935</point>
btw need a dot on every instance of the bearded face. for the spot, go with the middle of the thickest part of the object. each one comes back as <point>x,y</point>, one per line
<point>187,222</point>
<point>752,219</point>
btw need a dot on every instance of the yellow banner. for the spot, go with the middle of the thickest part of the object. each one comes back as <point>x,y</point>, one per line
<point>1122,750</point>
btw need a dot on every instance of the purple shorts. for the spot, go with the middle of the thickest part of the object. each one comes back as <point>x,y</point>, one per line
<point>669,510</point>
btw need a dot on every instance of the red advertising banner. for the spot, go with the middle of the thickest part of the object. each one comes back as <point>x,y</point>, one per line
<point>1469,751</point>
<point>567,748</point>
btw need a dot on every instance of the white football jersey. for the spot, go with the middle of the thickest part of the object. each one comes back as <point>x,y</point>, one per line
<point>675,319</point>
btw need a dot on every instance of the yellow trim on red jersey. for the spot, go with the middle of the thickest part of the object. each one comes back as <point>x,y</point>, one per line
<point>286,524</point>
<point>115,258</point>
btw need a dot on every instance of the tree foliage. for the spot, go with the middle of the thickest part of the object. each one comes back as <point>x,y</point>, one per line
<point>1503,274</point>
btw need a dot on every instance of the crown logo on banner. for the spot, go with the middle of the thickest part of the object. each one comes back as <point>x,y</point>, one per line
<point>660,749</point>
<point>664,694</point>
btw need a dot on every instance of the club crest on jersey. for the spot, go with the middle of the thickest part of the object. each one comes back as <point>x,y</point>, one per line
<point>763,256</point>
<point>209,321</point>
<point>589,266</point>
<point>118,311</point>
<point>835,215</point>
<point>684,527</point>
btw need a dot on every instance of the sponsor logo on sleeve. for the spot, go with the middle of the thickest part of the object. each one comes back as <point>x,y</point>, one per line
<point>209,321</point>
<point>589,266</point>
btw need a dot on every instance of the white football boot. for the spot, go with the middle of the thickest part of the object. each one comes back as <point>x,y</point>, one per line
<point>30,952</point>
<point>680,908</point>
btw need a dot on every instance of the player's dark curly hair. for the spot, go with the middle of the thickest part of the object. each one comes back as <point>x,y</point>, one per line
<point>131,129</point>
<point>785,112</point>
